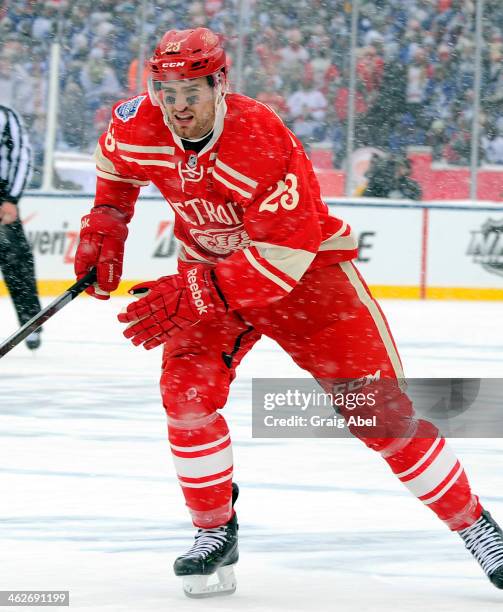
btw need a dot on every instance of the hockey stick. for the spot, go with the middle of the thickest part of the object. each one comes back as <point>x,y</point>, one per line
<point>40,318</point>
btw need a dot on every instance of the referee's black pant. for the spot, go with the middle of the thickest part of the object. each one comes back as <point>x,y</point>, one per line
<point>18,270</point>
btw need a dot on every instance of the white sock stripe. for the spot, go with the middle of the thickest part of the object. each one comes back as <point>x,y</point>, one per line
<point>199,467</point>
<point>194,423</point>
<point>444,490</point>
<point>200,447</point>
<point>348,268</point>
<point>424,458</point>
<point>205,478</point>
<point>208,483</point>
<point>434,474</point>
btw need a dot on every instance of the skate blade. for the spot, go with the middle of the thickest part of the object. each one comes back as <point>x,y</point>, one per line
<point>222,582</point>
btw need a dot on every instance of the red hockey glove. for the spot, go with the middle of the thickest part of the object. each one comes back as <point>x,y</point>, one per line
<point>170,304</point>
<point>102,236</point>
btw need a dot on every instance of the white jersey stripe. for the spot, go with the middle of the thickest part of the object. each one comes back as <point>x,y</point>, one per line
<point>209,483</point>
<point>338,242</point>
<point>198,467</point>
<point>245,194</point>
<point>144,149</point>
<point>339,232</point>
<point>103,162</point>
<point>348,268</point>
<point>434,474</point>
<point>116,177</point>
<point>293,262</point>
<point>265,272</point>
<point>343,243</point>
<point>149,162</point>
<point>235,174</point>
<point>193,449</point>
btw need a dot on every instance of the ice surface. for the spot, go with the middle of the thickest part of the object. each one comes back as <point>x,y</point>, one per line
<point>89,500</point>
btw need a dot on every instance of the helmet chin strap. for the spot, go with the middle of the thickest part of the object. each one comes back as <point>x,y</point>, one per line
<point>220,108</point>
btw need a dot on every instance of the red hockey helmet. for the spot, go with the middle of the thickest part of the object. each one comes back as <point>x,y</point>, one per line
<point>187,54</point>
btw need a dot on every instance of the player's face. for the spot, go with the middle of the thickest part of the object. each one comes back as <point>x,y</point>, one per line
<point>190,106</point>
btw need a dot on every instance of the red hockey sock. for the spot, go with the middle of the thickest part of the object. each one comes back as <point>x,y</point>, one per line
<point>202,454</point>
<point>431,471</point>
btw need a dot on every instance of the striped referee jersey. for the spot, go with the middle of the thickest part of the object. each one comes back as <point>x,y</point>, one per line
<point>15,156</point>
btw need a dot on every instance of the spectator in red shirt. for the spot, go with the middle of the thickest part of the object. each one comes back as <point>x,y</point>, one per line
<point>444,5</point>
<point>370,70</point>
<point>339,93</point>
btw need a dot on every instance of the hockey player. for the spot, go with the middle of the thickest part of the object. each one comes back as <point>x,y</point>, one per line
<point>260,254</point>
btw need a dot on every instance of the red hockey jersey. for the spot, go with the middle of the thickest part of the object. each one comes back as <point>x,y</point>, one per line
<point>248,203</point>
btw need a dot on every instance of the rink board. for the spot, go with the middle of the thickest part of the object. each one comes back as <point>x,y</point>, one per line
<point>450,250</point>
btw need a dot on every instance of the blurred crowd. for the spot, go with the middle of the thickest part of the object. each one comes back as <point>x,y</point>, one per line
<point>414,67</point>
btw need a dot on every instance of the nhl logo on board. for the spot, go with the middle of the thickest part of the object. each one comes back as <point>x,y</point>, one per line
<point>192,161</point>
<point>486,246</point>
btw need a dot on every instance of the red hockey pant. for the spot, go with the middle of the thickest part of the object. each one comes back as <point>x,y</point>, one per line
<point>332,327</point>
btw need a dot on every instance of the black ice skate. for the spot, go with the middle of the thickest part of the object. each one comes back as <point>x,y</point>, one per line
<point>207,567</point>
<point>484,539</point>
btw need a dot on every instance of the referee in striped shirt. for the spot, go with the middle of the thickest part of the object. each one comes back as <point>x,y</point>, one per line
<point>16,258</point>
